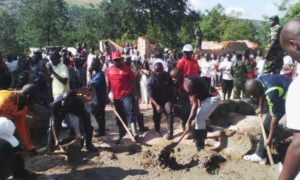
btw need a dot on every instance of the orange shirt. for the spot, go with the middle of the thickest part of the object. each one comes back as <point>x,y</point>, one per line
<point>9,101</point>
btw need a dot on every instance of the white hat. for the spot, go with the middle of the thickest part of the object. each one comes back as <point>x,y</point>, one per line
<point>187,48</point>
<point>7,129</point>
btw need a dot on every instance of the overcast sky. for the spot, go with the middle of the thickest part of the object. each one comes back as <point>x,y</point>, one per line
<point>250,9</point>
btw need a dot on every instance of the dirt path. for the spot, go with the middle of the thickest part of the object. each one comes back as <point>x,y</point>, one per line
<point>128,161</point>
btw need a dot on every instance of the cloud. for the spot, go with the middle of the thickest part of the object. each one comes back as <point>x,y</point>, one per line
<point>270,9</point>
<point>235,11</point>
<point>204,4</point>
<point>197,4</point>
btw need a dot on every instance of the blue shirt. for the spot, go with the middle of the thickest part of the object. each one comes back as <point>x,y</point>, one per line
<point>275,89</point>
<point>98,88</point>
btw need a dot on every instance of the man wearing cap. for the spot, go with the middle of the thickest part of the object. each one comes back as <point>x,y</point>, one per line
<point>14,107</point>
<point>11,164</point>
<point>120,80</point>
<point>273,53</point>
<point>187,64</point>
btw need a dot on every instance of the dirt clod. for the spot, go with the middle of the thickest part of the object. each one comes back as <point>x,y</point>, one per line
<point>214,163</point>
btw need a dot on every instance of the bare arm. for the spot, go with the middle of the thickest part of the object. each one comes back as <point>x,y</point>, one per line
<point>292,160</point>
<point>194,108</point>
<point>58,77</point>
<point>273,127</point>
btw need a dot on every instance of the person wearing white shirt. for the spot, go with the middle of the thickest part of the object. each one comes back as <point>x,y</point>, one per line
<point>159,59</point>
<point>259,67</point>
<point>60,75</point>
<point>290,42</point>
<point>215,75</point>
<point>258,57</point>
<point>11,64</point>
<point>90,58</point>
<point>288,66</point>
<point>206,68</point>
<point>227,79</point>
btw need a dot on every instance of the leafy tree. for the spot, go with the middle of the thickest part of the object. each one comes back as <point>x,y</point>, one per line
<point>292,12</point>
<point>42,22</point>
<point>210,23</point>
<point>8,25</point>
<point>237,29</point>
<point>216,26</point>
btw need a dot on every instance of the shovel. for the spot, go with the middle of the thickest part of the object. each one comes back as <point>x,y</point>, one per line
<point>72,150</point>
<point>265,139</point>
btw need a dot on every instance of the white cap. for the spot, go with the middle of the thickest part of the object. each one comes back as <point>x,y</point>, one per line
<point>7,129</point>
<point>187,48</point>
<point>166,50</point>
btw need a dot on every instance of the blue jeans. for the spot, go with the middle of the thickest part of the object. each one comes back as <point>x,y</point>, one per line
<point>261,151</point>
<point>125,108</point>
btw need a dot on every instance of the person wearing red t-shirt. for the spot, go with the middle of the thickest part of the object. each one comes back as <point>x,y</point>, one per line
<point>187,64</point>
<point>120,80</point>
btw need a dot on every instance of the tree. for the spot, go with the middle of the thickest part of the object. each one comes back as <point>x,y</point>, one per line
<point>292,12</point>
<point>42,22</point>
<point>210,23</point>
<point>8,25</point>
<point>216,26</point>
<point>237,29</point>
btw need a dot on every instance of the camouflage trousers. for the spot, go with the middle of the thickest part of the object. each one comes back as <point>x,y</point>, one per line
<point>238,89</point>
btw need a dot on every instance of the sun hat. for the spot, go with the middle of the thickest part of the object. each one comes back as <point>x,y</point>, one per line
<point>7,129</point>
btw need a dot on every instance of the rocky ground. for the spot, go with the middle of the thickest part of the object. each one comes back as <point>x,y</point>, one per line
<point>130,161</point>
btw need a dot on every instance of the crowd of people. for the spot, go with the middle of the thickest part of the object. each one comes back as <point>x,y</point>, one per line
<point>186,84</point>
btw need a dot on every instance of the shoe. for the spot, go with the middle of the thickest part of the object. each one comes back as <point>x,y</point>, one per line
<point>255,158</point>
<point>200,135</point>
<point>140,122</point>
<point>25,174</point>
<point>159,133</point>
<point>169,136</point>
<point>170,126</point>
<point>137,138</point>
<point>90,147</point>
<point>99,134</point>
<point>144,129</point>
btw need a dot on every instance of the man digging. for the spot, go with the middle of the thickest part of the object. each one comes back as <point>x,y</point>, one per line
<point>273,90</point>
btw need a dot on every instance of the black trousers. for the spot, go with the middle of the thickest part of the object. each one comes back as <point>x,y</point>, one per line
<point>84,118</point>
<point>167,108</point>
<point>10,162</point>
<point>98,111</point>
